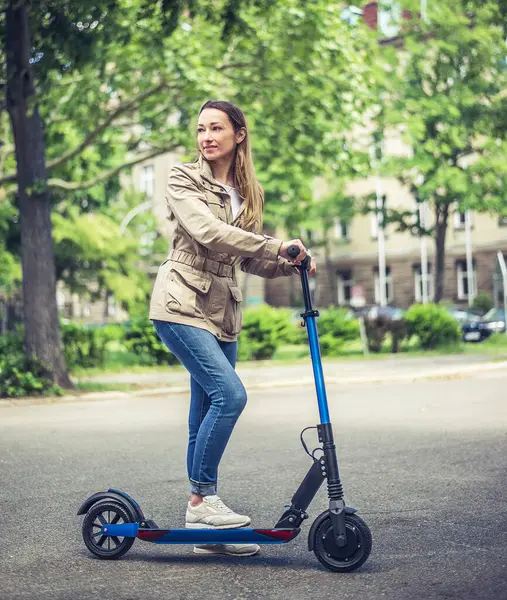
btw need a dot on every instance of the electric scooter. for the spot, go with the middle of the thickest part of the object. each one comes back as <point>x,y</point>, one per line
<point>339,538</point>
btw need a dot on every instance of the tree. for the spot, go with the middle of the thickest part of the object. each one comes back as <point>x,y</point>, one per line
<point>445,83</point>
<point>45,44</point>
<point>102,87</point>
<point>307,91</point>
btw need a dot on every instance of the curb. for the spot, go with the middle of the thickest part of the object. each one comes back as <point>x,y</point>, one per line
<point>449,373</point>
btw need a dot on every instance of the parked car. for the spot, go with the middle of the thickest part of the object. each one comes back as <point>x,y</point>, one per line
<point>480,329</point>
<point>391,313</point>
<point>463,316</point>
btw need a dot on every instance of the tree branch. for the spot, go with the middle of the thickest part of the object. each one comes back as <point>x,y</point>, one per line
<point>237,65</point>
<point>104,176</point>
<point>122,108</point>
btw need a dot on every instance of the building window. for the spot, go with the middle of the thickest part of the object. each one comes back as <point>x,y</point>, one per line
<point>341,230</point>
<point>389,17</point>
<point>418,283</point>
<point>388,284</point>
<point>111,305</point>
<point>60,300</point>
<point>462,277</point>
<point>345,284</point>
<point>147,180</point>
<point>460,219</point>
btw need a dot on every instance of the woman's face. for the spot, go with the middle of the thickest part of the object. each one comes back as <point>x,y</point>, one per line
<point>216,136</point>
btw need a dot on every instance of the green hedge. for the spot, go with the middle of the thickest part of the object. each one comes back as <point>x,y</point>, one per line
<point>141,338</point>
<point>432,325</point>
<point>83,346</point>
<point>12,344</point>
<point>336,327</point>
<point>25,376</point>
<point>265,328</point>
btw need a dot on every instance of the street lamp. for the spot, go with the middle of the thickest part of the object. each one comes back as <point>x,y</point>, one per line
<point>423,222</point>
<point>469,258</point>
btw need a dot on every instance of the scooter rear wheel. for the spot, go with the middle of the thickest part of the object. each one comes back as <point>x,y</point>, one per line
<point>349,557</point>
<point>106,512</point>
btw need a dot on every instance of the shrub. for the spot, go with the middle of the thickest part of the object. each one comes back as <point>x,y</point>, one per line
<point>83,346</point>
<point>112,332</point>
<point>25,376</point>
<point>12,344</point>
<point>336,327</point>
<point>482,303</point>
<point>142,339</point>
<point>432,325</point>
<point>297,332</point>
<point>264,329</point>
<point>245,348</point>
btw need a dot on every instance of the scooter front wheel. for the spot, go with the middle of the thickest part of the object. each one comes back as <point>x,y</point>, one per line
<point>349,557</point>
<point>106,512</point>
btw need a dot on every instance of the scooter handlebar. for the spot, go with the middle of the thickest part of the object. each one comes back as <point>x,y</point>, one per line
<point>293,251</point>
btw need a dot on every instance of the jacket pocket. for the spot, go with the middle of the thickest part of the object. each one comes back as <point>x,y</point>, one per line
<point>217,206</point>
<point>185,289</point>
<point>233,317</point>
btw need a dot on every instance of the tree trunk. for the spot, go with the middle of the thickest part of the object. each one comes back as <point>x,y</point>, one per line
<point>42,329</point>
<point>441,216</point>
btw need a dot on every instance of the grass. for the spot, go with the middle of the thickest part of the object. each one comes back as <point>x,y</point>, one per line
<point>495,348</point>
<point>119,361</point>
<point>92,386</point>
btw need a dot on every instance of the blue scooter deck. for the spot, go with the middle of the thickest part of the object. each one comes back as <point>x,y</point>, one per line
<point>240,535</point>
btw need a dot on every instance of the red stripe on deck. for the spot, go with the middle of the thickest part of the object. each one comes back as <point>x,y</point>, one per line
<point>279,534</point>
<point>151,536</point>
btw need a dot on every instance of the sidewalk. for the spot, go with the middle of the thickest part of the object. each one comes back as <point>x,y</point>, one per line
<point>270,374</point>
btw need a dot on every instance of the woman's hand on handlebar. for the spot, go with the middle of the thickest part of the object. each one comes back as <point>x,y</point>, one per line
<point>284,254</point>
<point>313,266</point>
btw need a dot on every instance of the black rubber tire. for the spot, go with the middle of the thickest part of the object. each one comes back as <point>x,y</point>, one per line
<point>353,555</point>
<point>105,547</point>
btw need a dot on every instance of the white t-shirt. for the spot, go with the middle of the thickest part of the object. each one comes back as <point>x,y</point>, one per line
<point>235,200</point>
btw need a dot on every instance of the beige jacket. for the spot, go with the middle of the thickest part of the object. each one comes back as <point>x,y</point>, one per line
<point>196,285</point>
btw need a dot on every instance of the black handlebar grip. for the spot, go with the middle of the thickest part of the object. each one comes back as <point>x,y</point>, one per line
<point>293,251</point>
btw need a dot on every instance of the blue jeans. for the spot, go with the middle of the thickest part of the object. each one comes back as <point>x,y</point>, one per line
<point>217,398</point>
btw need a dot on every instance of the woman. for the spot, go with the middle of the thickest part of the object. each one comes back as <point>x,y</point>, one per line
<point>215,216</point>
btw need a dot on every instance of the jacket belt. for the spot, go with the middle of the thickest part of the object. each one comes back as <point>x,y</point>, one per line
<point>201,263</point>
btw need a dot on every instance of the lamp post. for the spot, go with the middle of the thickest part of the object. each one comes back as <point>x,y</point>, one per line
<point>424,253</point>
<point>469,258</point>
<point>376,159</point>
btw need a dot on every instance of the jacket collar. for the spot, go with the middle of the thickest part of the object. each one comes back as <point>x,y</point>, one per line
<point>212,183</point>
<point>207,175</point>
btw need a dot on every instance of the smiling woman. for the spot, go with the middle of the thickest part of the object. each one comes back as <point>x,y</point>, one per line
<point>215,212</point>
<point>222,132</point>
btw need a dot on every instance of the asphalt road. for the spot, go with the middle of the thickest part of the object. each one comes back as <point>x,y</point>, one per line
<point>424,462</point>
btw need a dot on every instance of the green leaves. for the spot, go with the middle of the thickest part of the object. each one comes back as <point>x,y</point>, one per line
<point>92,255</point>
<point>121,80</point>
<point>445,88</point>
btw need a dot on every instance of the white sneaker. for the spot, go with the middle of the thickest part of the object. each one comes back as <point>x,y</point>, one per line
<point>212,513</point>
<point>230,549</point>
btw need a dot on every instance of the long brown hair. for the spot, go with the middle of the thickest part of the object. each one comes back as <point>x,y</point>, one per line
<point>245,178</point>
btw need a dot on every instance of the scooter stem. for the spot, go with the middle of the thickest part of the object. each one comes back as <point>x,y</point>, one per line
<point>309,317</point>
